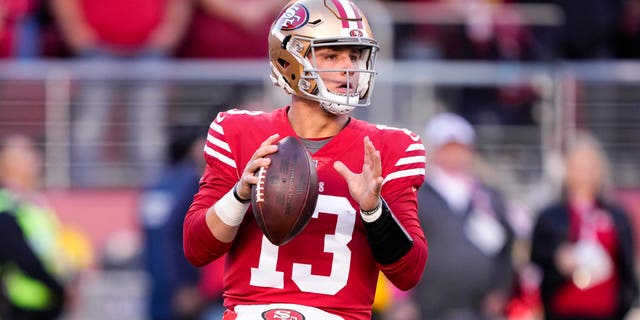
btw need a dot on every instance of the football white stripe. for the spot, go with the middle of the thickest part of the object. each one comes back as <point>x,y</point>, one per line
<point>408,160</point>
<point>415,146</point>
<point>217,128</point>
<point>220,156</point>
<point>402,174</point>
<point>218,142</point>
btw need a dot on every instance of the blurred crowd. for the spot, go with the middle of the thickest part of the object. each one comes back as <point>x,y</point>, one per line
<point>572,256</point>
<point>488,259</point>
<point>423,30</point>
<point>432,29</point>
<point>135,29</point>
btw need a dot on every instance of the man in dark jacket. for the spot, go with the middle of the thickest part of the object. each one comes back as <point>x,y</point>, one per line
<point>174,293</point>
<point>469,272</point>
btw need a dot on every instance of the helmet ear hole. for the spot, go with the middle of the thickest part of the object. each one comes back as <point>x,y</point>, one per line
<point>282,63</point>
<point>293,76</point>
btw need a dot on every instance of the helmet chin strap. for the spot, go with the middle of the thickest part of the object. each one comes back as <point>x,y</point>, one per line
<point>332,102</point>
<point>335,108</point>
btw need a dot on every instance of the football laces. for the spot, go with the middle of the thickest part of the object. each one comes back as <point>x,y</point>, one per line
<point>259,196</point>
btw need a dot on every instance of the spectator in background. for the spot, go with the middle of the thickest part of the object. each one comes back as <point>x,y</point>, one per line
<point>241,29</point>
<point>589,29</point>
<point>52,44</point>
<point>174,282</point>
<point>417,41</point>
<point>476,30</point>
<point>491,32</point>
<point>462,30</point>
<point>470,240</point>
<point>121,30</point>
<point>584,244</point>
<point>628,34</point>
<point>12,12</point>
<point>31,259</point>
<point>587,32</point>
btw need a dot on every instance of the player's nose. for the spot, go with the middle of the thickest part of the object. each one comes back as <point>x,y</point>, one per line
<point>346,62</point>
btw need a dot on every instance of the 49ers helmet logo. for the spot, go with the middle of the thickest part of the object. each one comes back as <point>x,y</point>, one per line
<point>279,314</point>
<point>356,33</point>
<point>293,17</point>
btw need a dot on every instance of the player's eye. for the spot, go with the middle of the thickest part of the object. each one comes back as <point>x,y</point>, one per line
<point>331,56</point>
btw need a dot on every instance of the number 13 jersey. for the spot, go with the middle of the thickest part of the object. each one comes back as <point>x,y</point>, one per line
<point>329,265</point>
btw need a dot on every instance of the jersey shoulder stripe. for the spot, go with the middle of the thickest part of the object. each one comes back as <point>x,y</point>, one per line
<point>217,145</point>
<point>406,152</point>
<point>217,148</point>
<point>408,166</point>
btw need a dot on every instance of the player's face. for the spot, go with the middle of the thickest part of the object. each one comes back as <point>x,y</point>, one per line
<point>339,58</point>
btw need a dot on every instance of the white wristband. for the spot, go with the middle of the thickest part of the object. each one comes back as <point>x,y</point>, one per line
<point>371,216</point>
<point>230,210</point>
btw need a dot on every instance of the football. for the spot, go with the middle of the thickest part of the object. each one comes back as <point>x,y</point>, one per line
<point>285,196</point>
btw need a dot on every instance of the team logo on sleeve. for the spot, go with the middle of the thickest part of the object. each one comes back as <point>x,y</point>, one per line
<point>279,314</point>
<point>294,17</point>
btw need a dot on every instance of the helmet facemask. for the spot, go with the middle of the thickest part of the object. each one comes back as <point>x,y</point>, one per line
<point>359,81</point>
<point>358,87</point>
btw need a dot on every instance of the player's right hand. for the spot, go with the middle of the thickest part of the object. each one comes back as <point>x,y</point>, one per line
<point>257,160</point>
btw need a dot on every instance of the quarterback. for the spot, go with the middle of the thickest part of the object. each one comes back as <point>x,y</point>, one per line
<point>322,52</point>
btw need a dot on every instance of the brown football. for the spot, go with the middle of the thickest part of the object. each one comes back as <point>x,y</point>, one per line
<point>285,196</point>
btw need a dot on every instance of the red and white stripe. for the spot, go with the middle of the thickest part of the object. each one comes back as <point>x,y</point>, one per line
<point>349,13</point>
<point>216,147</point>
<point>411,165</point>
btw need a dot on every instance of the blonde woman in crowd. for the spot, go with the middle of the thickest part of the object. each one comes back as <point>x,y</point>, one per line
<point>583,243</point>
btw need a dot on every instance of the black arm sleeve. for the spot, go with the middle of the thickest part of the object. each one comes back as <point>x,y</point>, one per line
<point>388,240</point>
<point>16,249</point>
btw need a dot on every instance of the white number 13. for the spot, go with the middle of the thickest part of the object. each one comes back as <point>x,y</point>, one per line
<point>266,275</point>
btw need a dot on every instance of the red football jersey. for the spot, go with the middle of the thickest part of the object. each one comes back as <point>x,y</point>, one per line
<point>329,265</point>
<point>127,23</point>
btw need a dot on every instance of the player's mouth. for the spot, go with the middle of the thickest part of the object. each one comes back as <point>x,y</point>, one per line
<point>344,89</point>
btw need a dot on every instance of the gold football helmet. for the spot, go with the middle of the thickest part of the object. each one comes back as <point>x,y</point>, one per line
<point>303,26</point>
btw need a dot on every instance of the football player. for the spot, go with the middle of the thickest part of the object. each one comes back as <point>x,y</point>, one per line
<point>365,221</point>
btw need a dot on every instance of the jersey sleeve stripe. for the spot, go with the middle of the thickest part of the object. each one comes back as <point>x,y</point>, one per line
<point>409,160</point>
<point>217,128</point>
<point>403,173</point>
<point>219,143</point>
<point>208,150</point>
<point>415,146</point>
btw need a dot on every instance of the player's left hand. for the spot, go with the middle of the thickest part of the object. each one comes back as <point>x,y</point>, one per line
<point>365,186</point>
